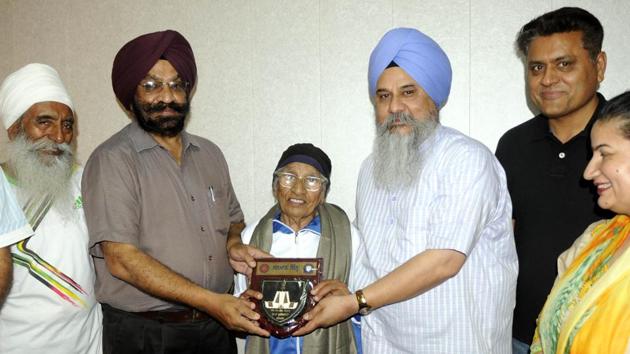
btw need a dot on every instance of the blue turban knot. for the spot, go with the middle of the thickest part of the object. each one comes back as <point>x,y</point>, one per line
<point>419,56</point>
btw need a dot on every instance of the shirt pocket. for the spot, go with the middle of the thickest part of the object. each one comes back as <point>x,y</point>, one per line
<point>219,211</point>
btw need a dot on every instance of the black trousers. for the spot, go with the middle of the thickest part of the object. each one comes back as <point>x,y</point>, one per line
<point>127,333</point>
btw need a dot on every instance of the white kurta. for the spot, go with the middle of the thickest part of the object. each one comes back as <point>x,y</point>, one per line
<point>51,307</point>
<point>460,201</point>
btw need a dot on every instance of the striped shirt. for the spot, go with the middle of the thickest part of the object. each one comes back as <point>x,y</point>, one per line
<point>13,224</point>
<point>460,201</point>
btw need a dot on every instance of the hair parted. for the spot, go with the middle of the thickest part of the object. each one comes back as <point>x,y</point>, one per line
<point>618,109</point>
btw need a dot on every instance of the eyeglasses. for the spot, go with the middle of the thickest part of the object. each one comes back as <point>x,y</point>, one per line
<point>310,183</point>
<point>152,86</point>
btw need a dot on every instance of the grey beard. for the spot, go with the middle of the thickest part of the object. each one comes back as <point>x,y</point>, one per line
<point>397,157</point>
<point>40,174</point>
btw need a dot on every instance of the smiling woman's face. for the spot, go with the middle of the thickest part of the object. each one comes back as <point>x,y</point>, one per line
<point>297,205</point>
<point>609,168</point>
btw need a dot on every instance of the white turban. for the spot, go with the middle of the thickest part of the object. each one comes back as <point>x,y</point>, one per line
<point>31,84</point>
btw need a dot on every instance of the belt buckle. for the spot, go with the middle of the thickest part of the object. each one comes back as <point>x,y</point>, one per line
<point>196,315</point>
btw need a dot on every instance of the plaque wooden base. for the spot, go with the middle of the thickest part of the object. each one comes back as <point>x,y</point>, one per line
<point>286,284</point>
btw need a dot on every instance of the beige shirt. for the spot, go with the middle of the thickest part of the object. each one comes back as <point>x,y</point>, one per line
<point>134,192</point>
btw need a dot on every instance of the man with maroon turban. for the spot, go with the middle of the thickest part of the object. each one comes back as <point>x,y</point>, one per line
<point>161,210</point>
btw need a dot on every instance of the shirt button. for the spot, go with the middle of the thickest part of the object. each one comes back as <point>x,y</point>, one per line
<point>210,258</point>
<point>192,197</point>
<point>394,199</point>
<point>562,155</point>
<point>203,229</point>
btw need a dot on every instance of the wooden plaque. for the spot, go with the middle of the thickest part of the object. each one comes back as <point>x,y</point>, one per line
<point>286,285</point>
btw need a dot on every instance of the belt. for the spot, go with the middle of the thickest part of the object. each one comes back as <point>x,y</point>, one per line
<point>179,316</point>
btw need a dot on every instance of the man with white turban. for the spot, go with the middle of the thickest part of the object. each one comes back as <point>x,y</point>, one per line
<point>51,307</point>
<point>437,266</point>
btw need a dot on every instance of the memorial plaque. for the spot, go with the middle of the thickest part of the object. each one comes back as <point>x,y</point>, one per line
<point>286,284</point>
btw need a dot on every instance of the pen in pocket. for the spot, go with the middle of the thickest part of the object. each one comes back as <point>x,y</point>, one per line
<point>211,193</point>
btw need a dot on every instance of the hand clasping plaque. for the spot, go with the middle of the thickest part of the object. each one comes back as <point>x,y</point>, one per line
<point>286,284</point>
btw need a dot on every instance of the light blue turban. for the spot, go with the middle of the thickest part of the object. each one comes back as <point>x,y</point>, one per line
<point>419,56</point>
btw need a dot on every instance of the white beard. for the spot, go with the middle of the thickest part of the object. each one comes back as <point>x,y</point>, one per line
<point>397,157</point>
<point>39,174</point>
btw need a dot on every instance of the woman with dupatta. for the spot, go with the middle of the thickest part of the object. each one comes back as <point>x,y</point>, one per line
<point>588,309</point>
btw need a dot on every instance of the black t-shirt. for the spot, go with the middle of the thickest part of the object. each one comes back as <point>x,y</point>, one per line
<point>552,205</point>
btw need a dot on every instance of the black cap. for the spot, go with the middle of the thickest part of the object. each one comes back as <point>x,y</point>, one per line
<point>308,154</point>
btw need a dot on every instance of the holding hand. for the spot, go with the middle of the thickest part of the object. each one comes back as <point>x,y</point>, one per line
<point>243,257</point>
<point>250,294</point>
<point>236,313</point>
<point>329,287</point>
<point>329,311</point>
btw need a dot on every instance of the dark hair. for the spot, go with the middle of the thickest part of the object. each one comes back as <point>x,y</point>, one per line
<point>618,109</point>
<point>566,19</point>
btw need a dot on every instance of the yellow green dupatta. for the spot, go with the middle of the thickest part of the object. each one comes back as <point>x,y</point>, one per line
<point>588,309</point>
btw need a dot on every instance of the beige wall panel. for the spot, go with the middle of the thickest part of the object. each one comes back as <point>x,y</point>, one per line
<point>498,98</point>
<point>220,33</point>
<point>286,86</point>
<point>6,40</point>
<point>32,35</point>
<point>448,23</point>
<point>6,43</point>
<point>96,31</point>
<point>349,32</point>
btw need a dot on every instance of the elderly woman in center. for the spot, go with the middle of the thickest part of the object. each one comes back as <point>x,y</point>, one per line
<point>303,225</point>
<point>588,309</point>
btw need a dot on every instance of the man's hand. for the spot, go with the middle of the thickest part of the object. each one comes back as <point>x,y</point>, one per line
<point>128,263</point>
<point>329,311</point>
<point>235,313</point>
<point>329,287</point>
<point>243,257</point>
<point>6,272</point>
<point>250,294</point>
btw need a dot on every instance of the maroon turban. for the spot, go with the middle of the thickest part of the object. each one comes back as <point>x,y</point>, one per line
<point>137,57</point>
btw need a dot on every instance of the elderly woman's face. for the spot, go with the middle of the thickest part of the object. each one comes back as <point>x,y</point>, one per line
<point>609,169</point>
<point>297,204</point>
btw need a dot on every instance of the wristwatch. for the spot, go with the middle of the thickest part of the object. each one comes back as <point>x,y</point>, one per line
<point>364,308</point>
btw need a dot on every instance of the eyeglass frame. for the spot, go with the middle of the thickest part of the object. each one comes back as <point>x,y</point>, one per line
<point>172,85</point>
<point>277,175</point>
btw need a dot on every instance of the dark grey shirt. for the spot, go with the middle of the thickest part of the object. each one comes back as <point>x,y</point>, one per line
<point>134,192</point>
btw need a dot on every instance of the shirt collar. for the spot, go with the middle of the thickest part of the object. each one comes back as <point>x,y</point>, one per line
<point>541,128</point>
<point>142,140</point>
<point>278,226</point>
<point>429,143</point>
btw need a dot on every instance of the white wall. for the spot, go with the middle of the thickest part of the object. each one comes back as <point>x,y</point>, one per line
<point>273,73</point>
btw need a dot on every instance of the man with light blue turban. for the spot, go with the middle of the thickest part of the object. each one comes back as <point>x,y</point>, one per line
<point>436,266</point>
<point>419,56</point>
